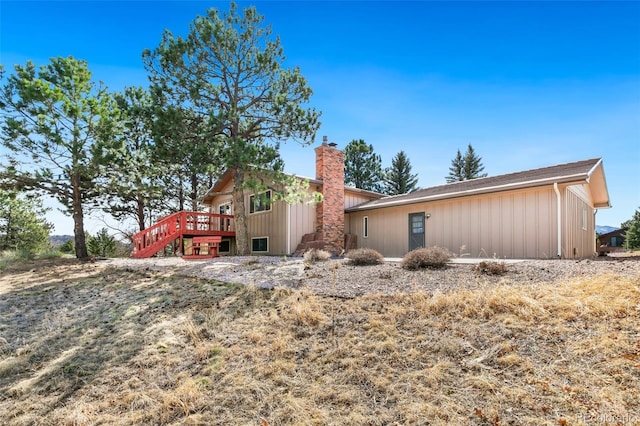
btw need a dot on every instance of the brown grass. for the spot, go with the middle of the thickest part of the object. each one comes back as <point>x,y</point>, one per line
<point>83,344</point>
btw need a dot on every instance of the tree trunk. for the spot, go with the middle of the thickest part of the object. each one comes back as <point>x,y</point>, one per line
<point>181,195</point>
<point>239,211</point>
<point>78,220</point>
<point>140,213</point>
<point>194,192</point>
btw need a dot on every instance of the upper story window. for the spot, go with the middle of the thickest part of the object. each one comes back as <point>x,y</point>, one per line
<point>260,202</point>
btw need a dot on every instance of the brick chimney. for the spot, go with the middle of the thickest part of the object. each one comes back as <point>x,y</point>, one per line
<point>330,212</point>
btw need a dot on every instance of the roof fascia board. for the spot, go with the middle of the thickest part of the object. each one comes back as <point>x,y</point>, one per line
<point>578,178</point>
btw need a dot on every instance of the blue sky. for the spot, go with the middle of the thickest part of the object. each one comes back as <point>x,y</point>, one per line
<point>528,84</point>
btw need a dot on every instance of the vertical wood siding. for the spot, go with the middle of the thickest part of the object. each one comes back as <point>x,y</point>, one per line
<point>353,198</point>
<point>578,242</point>
<point>514,224</point>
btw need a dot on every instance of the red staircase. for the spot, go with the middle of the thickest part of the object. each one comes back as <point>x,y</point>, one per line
<point>175,227</point>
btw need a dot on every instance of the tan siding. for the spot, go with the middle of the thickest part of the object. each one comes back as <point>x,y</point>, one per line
<point>303,221</point>
<point>221,199</point>
<point>578,242</point>
<point>353,199</point>
<point>271,224</point>
<point>509,225</point>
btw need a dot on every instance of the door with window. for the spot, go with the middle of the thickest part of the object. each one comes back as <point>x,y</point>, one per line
<point>225,222</point>
<point>416,230</point>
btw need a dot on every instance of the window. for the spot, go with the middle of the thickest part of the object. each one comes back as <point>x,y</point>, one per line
<point>365,227</point>
<point>224,246</point>
<point>260,245</point>
<point>225,208</point>
<point>260,202</point>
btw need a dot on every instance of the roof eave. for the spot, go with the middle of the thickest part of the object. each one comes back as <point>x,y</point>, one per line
<point>569,179</point>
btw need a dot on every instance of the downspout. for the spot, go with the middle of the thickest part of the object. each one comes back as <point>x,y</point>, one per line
<point>288,229</point>
<point>559,206</point>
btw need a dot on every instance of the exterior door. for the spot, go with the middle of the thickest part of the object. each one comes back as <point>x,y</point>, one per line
<point>416,230</point>
<point>225,223</point>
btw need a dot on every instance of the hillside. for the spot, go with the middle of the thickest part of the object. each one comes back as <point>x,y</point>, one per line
<point>600,229</point>
<point>58,240</point>
<point>83,343</point>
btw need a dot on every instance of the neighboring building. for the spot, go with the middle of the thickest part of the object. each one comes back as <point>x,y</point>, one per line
<point>611,241</point>
<point>541,213</point>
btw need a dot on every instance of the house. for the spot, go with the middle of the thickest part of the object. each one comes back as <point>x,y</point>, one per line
<point>542,213</point>
<point>611,242</point>
<point>278,228</point>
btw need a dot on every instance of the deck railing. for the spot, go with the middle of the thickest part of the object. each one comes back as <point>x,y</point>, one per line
<point>148,242</point>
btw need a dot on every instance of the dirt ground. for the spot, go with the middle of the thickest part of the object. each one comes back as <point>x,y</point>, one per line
<point>165,341</point>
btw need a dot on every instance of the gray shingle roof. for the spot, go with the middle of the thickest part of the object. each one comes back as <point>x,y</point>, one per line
<point>578,171</point>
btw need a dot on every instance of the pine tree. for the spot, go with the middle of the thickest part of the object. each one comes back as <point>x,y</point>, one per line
<point>229,76</point>
<point>473,167</point>
<point>67,125</point>
<point>632,231</point>
<point>362,166</point>
<point>466,167</point>
<point>22,224</point>
<point>456,171</point>
<point>398,178</point>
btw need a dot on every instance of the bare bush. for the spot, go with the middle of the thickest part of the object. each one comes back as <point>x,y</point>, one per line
<point>316,255</point>
<point>364,257</point>
<point>491,268</point>
<point>432,257</point>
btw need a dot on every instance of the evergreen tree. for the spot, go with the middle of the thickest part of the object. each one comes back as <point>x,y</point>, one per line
<point>58,127</point>
<point>102,244</point>
<point>22,224</point>
<point>362,166</point>
<point>229,74</point>
<point>456,171</point>
<point>398,178</point>
<point>466,167</point>
<point>632,231</point>
<point>132,181</point>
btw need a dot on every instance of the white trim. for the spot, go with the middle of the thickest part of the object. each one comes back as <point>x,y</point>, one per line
<point>288,228</point>
<point>260,238</point>
<point>559,207</point>
<point>593,169</point>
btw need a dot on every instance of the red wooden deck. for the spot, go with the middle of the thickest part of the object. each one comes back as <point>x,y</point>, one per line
<point>171,231</point>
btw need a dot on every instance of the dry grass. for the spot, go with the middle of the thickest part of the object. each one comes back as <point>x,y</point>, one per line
<point>83,345</point>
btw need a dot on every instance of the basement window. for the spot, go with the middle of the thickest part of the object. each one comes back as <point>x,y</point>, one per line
<point>260,245</point>
<point>260,202</point>
<point>365,227</point>
<point>224,246</point>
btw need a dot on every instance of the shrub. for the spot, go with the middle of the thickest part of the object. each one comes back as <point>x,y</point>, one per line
<point>491,268</point>
<point>316,255</point>
<point>364,257</point>
<point>103,244</point>
<point>68,247</point>
<point>433,258</point>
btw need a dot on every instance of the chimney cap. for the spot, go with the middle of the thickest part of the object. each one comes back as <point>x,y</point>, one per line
<point>324,140</point>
